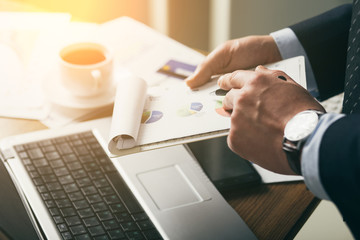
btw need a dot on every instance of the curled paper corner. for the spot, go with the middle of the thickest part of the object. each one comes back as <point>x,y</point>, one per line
<point>125,142</point>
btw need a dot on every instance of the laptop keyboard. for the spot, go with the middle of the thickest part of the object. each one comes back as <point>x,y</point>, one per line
<point>83,192</point>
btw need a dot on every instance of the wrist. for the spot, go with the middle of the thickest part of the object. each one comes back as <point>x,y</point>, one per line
<point>296,132</point>
<point>271,49</point>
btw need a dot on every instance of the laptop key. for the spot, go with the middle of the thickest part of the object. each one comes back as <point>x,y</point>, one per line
<point>102,182</point>
<point>80,173</point>
<point>96,174</point>
<point>71,187</point>
<point>62,203</point>
<point>140,216</point>
<point>99,207</point>
<point>129,226</point>
<point>35,153</point>
<point>61,171</point>
<point>58,219</point>
<point>49,178</point>
<point>54,186</point>
<point>38,181</point>
<point>116,234</point>
<point>58,194</point>
<point>106,215</point>
<point>66,212</point>
<point>135,235</point>
<point>111,199</point>
<point>64,148</point>
<point>42,189</point>
<point>144,225</point>
<point>57,163</point>
<point>82,182</point>
<point>118,207</point>
<point>97,230</point>
<point>46,196</point>
<point>89,190</point>
<point>52,156</point>
<point>66,235</point>
<point>110,224</point>
<point>70,158</point>
<point>87,212</point>
<point>41,162</point>
<point>81,204</point>
<point>152,234</point>
<point>74,220</point>
<point>94,198</point>
<point>54,211</point>
<point>92,221</point>
<point>74,166</point>
<point>75,196</point>
<point>62,227</point>
<point>50,204</point>
<point>106,191</point>
<point>77,230</point>
<point>66,179</point>
<point>123,217</point>
<point>83,237</point>
<point>45,170</point>
<point>102,237</point>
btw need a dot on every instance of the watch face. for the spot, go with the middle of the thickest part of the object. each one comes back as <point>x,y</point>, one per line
<point>301,125</point>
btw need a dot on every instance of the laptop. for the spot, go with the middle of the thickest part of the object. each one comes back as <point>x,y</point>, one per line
<point>73,190</point>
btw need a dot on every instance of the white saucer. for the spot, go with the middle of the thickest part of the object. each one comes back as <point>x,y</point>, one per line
<point>59,95</point>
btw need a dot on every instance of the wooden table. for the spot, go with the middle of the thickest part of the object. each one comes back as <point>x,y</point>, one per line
<point>273,211</point>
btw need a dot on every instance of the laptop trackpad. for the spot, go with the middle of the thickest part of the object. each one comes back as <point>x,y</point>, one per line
<point>169,187</point>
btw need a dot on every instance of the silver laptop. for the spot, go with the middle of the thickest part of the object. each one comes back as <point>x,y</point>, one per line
<point>73,190</point>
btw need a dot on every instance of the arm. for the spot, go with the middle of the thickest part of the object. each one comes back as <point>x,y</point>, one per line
<point>339,167</point>
<point>325,39</point>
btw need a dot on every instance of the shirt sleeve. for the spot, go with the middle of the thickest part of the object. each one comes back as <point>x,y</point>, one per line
<point>289,46</point>
<point>310,156</point>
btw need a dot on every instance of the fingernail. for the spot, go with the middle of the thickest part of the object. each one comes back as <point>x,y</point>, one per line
<point>220,80</point>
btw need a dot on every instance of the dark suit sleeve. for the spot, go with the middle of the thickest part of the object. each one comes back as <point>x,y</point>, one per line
<point>325,39</point>
<point>339,167</point>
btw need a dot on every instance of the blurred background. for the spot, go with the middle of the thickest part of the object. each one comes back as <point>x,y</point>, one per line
<point>200,24</point>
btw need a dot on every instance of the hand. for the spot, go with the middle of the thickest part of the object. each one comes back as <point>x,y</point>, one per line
<point>261,105</point>
<point>242,53</point>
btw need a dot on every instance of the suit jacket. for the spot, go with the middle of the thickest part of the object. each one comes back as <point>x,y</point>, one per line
<point>325,40</point>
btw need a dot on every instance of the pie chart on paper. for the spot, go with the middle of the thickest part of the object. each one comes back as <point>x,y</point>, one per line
<point>189,109</point>
<point>220,110</point>
<point>151,116</point>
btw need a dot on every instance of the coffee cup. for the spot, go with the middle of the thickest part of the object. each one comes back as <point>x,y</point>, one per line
<point>86,68</point>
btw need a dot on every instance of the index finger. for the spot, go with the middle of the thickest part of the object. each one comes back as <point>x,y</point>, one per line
<point>236,79</point>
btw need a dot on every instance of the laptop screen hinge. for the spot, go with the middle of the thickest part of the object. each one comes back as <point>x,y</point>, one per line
<point>6,154</point>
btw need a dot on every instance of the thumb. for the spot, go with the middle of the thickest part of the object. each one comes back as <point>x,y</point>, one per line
<point>215,63</point>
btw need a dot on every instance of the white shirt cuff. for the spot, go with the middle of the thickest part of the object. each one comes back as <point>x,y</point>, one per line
<point>310,156</point>
<point>290,46</point>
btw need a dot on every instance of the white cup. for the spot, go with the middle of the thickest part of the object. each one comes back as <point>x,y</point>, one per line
<point>86,68</point>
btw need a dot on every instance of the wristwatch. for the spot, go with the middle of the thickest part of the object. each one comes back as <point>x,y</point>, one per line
<point>296,132</point>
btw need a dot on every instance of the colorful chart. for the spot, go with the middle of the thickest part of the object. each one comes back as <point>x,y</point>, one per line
<point>220,110</point>
<point>151,116</point>
<point>190,109</point>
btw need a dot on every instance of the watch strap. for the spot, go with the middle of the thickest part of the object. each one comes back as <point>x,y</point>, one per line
<point>293,157</point>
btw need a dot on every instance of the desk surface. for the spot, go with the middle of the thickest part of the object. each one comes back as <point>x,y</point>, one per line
<point>274,211</point>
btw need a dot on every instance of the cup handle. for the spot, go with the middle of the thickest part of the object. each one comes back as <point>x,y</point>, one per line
<point>96,74</point>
